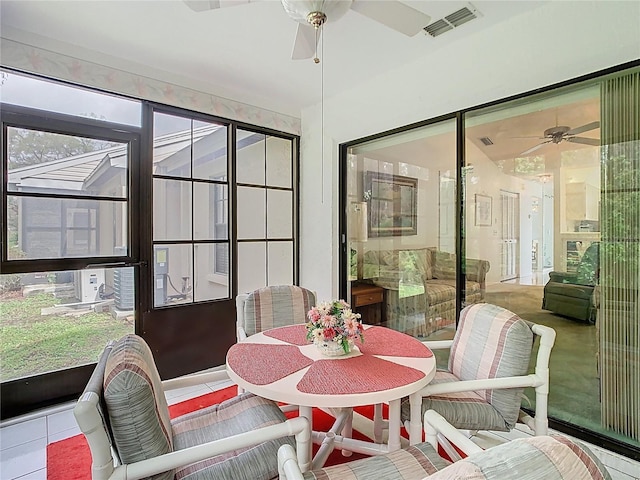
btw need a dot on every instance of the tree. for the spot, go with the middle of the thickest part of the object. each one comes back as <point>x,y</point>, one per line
<point>31,147</point>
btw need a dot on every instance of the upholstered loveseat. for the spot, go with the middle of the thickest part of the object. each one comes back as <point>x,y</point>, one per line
<point>420,286</point>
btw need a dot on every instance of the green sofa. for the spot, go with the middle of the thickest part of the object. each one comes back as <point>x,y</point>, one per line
<point>420,283</point>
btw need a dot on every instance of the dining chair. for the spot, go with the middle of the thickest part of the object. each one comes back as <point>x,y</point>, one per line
<point>549,457</point>
<point>271,307</point>
<point>487,371</point>
<point>124,416</point>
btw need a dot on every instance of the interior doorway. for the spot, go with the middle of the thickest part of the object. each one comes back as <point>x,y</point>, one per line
<point>509,235</point>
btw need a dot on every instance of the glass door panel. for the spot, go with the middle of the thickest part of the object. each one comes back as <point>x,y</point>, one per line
<point>252,262</point>
<point>542,159</point>
<point>190,211</point>
<point>400,239</point>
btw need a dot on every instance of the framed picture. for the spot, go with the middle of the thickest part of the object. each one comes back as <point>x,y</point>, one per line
<point>483,210</point>
<point>392,203</point>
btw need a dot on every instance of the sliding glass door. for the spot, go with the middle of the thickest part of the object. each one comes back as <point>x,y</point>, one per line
<point>549,228</point>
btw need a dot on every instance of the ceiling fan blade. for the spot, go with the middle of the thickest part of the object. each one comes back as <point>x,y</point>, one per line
<point>584,140</point>
<point>533,149</point>
<point>393,14</point>
<point>304,45</point>
<point>203,5</point>
<point>584,128</point>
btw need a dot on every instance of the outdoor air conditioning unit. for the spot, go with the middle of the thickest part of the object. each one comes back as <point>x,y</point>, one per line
<point>123,284</point>
<point>87,285</point>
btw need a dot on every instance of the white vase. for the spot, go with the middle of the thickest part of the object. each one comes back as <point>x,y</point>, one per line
<point>331,348</point>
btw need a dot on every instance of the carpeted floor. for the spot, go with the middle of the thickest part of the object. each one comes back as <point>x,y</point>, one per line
<point>574,394</point>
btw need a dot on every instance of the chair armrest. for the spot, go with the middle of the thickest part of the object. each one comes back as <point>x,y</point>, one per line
<point>531,380</point>
<point>476,270</point>
<point>298,426</point>
<point>438,344</point>
<point>435,424</point>
<point>195,379</point>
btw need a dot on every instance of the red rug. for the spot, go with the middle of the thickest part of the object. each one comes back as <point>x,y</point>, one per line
<point>70,459</point>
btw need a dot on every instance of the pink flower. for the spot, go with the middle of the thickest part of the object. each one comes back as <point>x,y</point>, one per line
<point>351,325</point>
<point>329,333</point>
<point>329,321</point>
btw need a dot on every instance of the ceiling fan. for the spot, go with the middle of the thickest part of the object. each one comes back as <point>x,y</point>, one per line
<point>563,133</point>
<point>312,14</point>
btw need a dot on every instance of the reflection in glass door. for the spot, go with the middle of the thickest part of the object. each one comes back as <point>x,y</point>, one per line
<point>400,237</point>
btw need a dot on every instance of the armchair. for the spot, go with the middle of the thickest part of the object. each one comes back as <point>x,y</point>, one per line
<point>549,457</point>
<point>572,293</point>
<point>487,371</point>
<point>270,307</point>
<point>124,416</point>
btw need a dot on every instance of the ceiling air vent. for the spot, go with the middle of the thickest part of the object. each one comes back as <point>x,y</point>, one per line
<point>438,28</point>
<point>486,140</point>
<point>451,21</point>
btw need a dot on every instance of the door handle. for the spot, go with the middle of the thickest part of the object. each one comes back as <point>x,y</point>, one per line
<point>116,265</point>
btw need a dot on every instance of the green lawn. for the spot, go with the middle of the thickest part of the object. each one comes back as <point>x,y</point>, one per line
<point>32,343</point>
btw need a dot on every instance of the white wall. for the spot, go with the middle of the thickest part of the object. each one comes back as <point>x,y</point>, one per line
<point>555,42</point>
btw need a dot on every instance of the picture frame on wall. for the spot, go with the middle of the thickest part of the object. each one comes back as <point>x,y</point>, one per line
<point>392,204</point>
<point>483,210</point>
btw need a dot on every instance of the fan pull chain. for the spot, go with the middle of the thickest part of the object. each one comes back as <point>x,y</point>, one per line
<point>316,59</point>
<point>321,120</point>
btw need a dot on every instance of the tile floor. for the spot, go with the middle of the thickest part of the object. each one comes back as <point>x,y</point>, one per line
<point>23,440</point>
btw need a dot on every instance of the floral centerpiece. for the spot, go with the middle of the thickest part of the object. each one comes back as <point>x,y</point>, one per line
<point>334,322</point>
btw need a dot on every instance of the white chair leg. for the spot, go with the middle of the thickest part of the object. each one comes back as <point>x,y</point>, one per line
<point>415,424</point>
<point>540,421</point>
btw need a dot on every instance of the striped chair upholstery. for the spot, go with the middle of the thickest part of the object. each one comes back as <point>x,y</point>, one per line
<point>276,306</point>
<point>412,463</point>
<point>550,457</point>
<point>142,429</point>
<point>236,415</point>
<point>491,342</point>
<point>137,408</point>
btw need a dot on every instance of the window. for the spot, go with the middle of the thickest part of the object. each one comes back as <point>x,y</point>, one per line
<point>220,219</point>
<point>266,210</point>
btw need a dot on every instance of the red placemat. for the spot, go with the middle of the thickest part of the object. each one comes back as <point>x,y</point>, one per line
<point>384,341</point>
<point>293,334</point>
<point>275,361</point>
<point>361,374</point>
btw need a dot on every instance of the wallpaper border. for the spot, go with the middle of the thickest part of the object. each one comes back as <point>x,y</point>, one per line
<point>32,59</point>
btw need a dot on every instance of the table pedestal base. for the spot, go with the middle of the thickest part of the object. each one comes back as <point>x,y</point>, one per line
<point>339,435</point>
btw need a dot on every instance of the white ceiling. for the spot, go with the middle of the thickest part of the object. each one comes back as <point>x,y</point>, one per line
<point>242,52</point>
